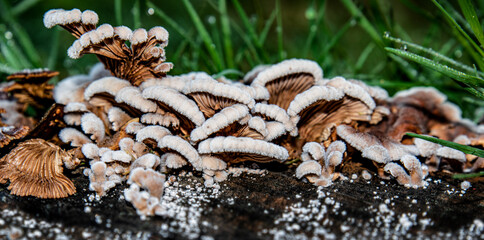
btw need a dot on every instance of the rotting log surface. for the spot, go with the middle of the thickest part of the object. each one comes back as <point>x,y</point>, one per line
<point>276,205</point>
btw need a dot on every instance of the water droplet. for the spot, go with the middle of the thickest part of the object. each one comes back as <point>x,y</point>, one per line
<point>8,35</point>
<point>458,53</point>
<point>310,13</point>
<point>211,19</point>
<point>386,34</point>
<point>151,11</point>
<point>404,47</point>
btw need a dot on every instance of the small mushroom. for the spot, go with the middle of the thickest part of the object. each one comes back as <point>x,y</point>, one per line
<point>416,175</point>
<point>237,149</point>
<point>34,168</point>
<point>287,79</point>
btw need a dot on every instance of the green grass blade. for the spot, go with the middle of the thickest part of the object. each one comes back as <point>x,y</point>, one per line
<point>313,28</point>
<point>450,72</point>
<point>456,146</point>
<point>267,27</point>
<point>430,52</point>
<point>468,175</point>
<point>203,34</point>
<point>334,40</point>
<point>226,72</point>
<point>136,14</point>
<point>456,25</point>
<point>364,23</point>
<point>226,33</point>
<point>363,57</point>
<point>471,17</point>
<point>23,6</point>
<point>20,34</point>
<point>250,45</point>
<point>279,28</point>
<point>163,16</point>
<point>118,12</point>
<point>4,68</point>
<point>54,49</point>
<point>251,31</point>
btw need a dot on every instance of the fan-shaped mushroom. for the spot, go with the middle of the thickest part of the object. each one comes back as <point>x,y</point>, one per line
<point>34,168</point>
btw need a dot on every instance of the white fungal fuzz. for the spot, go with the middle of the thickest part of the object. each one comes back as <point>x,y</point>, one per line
<point>312,95</point>
<point>132,97</point>
<point>110,85</point>
<point>147,161</point>
<point>89,17</point>
<point>152,132</point>
<point>123,32</point>
<point>176,101</point>
<point>209,85</point>
<point>274,130</point>
<point>173,160</point>
<point>117,117</point>
<point>139,36</point>
<point>98,179</point>
<point>93,125</point>
<point>159,33</point>
<point>258,124</point>
<point>288,67</point>
<point>352,90</point>
<point>165,120</point>
<point>147,203</point>
<point>274,112</point>
<point>73,136</point>
<point>182,147</point>
<point>242,145</point>
<point>219,121</point>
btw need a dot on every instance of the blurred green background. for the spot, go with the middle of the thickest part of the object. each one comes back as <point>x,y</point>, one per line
<point>230,37</point>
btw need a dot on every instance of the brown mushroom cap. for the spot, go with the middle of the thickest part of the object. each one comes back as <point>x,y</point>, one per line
<point>34,168</point>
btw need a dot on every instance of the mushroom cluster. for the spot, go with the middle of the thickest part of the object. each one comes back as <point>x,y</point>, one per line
<point>134,123</point>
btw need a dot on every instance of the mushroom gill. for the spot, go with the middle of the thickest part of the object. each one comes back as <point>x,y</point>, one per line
<point>34,168</point>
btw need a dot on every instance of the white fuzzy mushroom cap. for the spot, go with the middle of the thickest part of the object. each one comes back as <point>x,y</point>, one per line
<point>209,85</point>
<point>159,33</point>
<point>132,97</point>
<point>176,101</point>
<point>117,117</point>
<point>139,36</point>
<point>275,112</point>
<point>451,153</point>
<point>61,17</point>
<point>109,85</point>
<point>315,150</point>
<point>242,145</point>
<point>134,127</point>
<point>184,148</point>
<point>312,95</point>
<point>92,124</point>
<point>425,148</point>
<point>213,163</point>
<point>308,167</point>
<point>90,150</point>
<point>123,32</point>
<point>152,132</point>
<point>173,160</point>
<point>219,121</point>
<point>352,90</point>
<point>89,17</point>
<point>75,107</point>
<point>73,136</point>
<point>148,160</point>
<point>288,67</point>
<point>274,130</point>
<point>258,124</point>
<point>398,172</point>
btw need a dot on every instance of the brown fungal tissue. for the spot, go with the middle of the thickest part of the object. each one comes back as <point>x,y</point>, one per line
<point>138,123</point>
<point>34,168</point>
<point>143,59</point>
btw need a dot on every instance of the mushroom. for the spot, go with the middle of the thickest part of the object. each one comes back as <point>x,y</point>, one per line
<point>145,58</point>
<point>31,88</point>
<point>319,165</point>
<point>212,96</point>
<point>287,79</point>
<point>172,101</point>
<point>146,202</point>
<point>416,175</point>
<point>34,168</point>
<point>237,149</point>
<point>99,181</point>
<point>180,146</point>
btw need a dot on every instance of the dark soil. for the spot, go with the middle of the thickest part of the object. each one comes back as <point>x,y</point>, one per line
<point>273,205</point>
